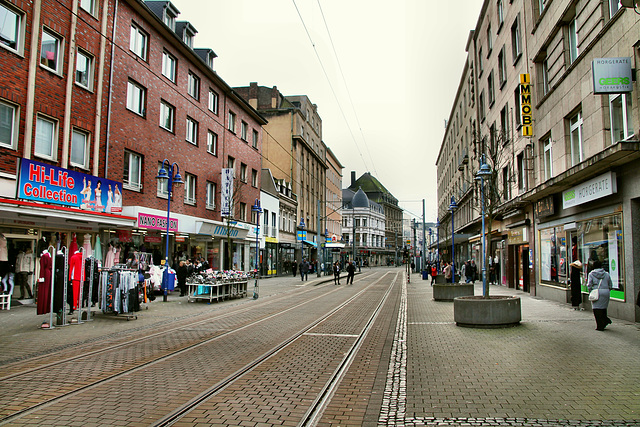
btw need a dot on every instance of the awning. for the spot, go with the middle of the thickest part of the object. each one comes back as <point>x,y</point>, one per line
<point>310,243</point>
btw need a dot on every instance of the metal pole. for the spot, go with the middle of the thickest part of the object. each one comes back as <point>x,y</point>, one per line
<point>353,220</point>
<point>166,253</point>
<point>438,242</point>
<point>453,250</point>
<point>424,238</point>
<point>484,248</point>
<point>257,208</point>
<point>318,250</point>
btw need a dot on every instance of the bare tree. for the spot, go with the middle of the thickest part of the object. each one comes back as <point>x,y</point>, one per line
<point>232,218</point>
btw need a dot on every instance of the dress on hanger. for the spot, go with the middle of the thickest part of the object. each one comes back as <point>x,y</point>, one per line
<point>73,246</point>
<point>86,245</point>
<point>109,259</point>
<point>44,284</point>
<point>75,274</point>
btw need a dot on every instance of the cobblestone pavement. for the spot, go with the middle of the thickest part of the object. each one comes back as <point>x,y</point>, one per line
<point>417,368</point>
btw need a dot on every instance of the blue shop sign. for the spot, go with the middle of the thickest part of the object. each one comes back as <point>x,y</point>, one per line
<point>42,182</point>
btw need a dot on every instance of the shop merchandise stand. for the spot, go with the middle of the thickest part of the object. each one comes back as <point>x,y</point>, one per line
<point>79,320</point>
<point>65,279</point>
<point>124,274</point>
<point>5,302</point>
<point>51,249</point>
<point>89,302</point>
<point>64,287</point>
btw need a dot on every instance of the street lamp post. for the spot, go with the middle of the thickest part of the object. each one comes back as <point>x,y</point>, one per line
<point>438,242</point>
<point>484,172</point>
<point>430,240</point>
<point>302,225</point>
<point>258,210</point>
<point>166,172</point>
<point>452,207</point>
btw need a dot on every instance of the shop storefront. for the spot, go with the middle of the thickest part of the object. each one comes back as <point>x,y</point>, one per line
<point>286,258</point>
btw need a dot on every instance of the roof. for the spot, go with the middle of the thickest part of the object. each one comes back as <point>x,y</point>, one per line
<point>360,199</point>
<point>370,184</point>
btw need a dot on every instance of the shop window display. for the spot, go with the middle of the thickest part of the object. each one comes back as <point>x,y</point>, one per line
<point>595,239</point>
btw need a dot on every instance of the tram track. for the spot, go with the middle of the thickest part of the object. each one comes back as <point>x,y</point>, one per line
<point>75,391</point>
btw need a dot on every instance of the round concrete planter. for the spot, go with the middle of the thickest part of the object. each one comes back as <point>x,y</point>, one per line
<point>450,291</point>
<point>492,312</point>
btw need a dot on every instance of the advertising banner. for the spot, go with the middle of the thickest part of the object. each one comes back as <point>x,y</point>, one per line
<point>226,196</point>
<point>155,222</point>
<point>612,75</point>
<point>596,188</point>
<point>42,182</point>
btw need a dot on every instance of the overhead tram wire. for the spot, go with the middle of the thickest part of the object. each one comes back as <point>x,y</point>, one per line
<point>344,80</point>
<point>330,85</point>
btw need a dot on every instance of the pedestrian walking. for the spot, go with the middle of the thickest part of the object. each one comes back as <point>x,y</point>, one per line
<point>474,272</point>
<point>600,279</point>
<point>351,272</point>
<point>434,274</point>
<point>304,270</point>
<point>181,274</point>
<point>447,272</point>
<point>294,267</point>
<point>336,273</point>
<point>576,291</point>
<point>463,272</point>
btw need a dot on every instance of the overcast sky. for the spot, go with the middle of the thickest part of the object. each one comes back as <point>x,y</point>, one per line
<point>401,61</point>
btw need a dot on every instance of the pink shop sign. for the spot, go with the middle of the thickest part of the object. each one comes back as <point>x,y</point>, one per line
<point>156,222</point>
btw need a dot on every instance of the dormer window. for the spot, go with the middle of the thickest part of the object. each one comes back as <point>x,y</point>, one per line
<point>186,31</point>
<point>170,19</point>
<point>188,39</point>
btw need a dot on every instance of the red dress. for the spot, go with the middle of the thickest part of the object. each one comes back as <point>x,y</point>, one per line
<point>75,274</point>
<point>44,285</point>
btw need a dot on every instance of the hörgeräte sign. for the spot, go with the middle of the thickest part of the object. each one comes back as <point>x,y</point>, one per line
<point>42,182</point>
<point>612,75</point>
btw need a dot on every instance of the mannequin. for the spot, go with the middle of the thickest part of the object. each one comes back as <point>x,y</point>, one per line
<point>4,263</point>
<point>86,245</point>
<point>75,274</point>
<point>44,284</point>
<point>24,268</point>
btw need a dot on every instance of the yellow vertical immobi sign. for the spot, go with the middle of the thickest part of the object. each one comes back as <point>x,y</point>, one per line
<point>525,105</point>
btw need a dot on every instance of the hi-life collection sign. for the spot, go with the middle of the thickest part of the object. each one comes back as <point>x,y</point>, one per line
<point>42,182</point>
<point>612,75</point>
<point>596,188</point>
<point>526,111</point>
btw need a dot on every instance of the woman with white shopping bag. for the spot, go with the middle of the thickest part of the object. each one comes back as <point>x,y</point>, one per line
<point>600,281</point>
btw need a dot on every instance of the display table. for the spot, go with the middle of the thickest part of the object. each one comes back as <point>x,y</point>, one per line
<point>216,291</point>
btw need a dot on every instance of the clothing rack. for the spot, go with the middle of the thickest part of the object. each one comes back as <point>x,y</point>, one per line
<point>53,275</point>
<point>119,287</point>
<point>65,281</point>
<point>92,261</point>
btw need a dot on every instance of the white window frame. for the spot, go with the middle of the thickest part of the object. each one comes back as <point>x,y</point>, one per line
<point>232,121</point>
<point>190,189</point>
<point>502,66</point>
<point>18,28</point>
<point>136,98</point>
<point>193,85</point>
<point>162,185</point>
<point>547,158</point>
<point>256,138</point>
<point>88,5</point>
<point>500,10</point>
<point>167,116</point>
<point>41,140</point>
<point>211,195</point>
<point>244,130</point>
<point>545,77</point>
<point>625,116</point>
<point>243,211</point>
<point>212,142</point>
<point>79,137</point>
<point>213,101</point>
<point>86,59</point>
<point>489,41</point>
<point>254,177</point>
<point>11,113</point>
<point>169,66</point>
<point>57,55</point>
<point>491,87</point>
<point>516,43</point>
<point>138,42</point>
<point>614,7</point>
<point>131,180</point>
<point>575,124</point>
<point>573,40</point>
<point>243,172</point>
<point>192,131</point>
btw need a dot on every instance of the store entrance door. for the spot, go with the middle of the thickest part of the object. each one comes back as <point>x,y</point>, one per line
<point>17,243</point>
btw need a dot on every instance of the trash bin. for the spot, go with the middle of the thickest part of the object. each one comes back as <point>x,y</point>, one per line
<point>425,275</point>
<point>169,280</point>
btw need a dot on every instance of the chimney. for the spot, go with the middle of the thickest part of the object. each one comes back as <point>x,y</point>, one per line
<point>353,178</point>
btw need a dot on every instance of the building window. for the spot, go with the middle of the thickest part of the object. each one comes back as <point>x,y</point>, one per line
<point>169,19</point>
<point>231,162</point>
<point>500,10</point>
<point>50,51</point>
<point>136,98</point>
<point>517,111</point>
<point>213,101</point>
<point>162,187</point>
<point>504,123</point>
<point>243,211</point>
<point>244,130</point>
<point>545,77</point>
<point>132,171</point>
<point>480,62</point>
<point>212,143</point>
<point>621,124</point>
<point>8,128</point>
<point>211,195</point>
<point>516,48</point>
<point>502,67</point>
<point>79,153</point>
<point>489,41</point>
<point>11,30</point>
<point>573,40</point>
<point>46,138</point>
<point>255,138</point>
<point>521,172</point>
<point>490,89</point>
<point>243,172</point>
<point>189,189</point>
<point>192,131</point>
<point>232,121</point>
<point>254,177</point>
<point>481,106</point>
<point>506,185</point>
<point>169,66</point>
<point>547,158</point>
<point>138,42</point>
<point>167,115</point>
<point>193,86</point>
<point>614,7</point>
<point>541,6</point>
<point>575,125</point>
<point>84,69</point>
<point>88,5</point>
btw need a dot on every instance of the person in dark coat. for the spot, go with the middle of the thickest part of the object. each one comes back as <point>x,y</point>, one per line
<point>600,279</point>
<point>336,273</point>
<point>181,274</point>
<point>294,268</point>
<point>576,293</point>
<point>304,270</point>
<point>351,272</point>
